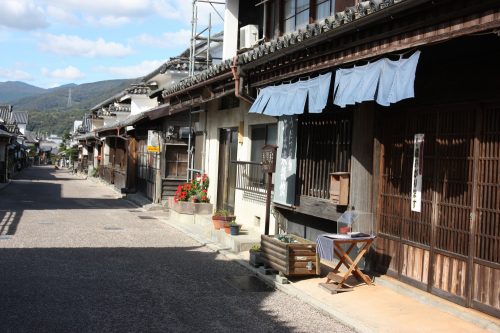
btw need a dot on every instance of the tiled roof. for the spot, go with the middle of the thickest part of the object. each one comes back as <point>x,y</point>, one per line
<point>85,136</point>
<point>109,100</point>
<point>130,120</point>
<point>210,72</point>
<point>20,117</point>
<point>311,31</point>
<point>5,133</point>
<point>30,137</point>
<point>139,90</point>
<point>6,113</point>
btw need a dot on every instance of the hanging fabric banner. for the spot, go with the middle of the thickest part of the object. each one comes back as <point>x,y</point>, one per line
<point>290,98</point>
<point>384,81</point>
<point>418,170</point>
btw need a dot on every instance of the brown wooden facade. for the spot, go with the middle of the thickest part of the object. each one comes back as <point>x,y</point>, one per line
<point>452,248</point>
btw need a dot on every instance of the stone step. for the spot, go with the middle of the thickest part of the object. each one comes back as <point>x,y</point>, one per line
<point>202,226</point>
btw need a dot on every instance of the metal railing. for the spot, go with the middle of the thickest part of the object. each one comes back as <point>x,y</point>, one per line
<point>249,176</point>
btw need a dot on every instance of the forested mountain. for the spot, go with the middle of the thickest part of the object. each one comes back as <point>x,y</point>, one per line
<point>83,96</point>
<point>49,111</point>
<point>11,91</point>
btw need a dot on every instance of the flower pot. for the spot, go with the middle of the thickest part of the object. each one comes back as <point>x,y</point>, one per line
<point>235,229</point>
<point>218,224</point>
<point>255,259</point>
<point>227,229</point>
<point>219,221</point>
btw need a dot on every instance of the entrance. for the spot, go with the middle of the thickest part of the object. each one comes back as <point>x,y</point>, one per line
<point>452,247</point>
<point>228,149</point>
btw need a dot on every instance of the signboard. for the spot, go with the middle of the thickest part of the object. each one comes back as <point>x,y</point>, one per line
<point>153,142</point>
<point>418,170</point>
<point>286,161</point>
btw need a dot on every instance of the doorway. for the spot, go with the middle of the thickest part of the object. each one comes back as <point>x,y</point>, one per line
<point>228,149</point>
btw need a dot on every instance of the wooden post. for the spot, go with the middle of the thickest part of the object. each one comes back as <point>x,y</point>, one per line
<point>268,201</point>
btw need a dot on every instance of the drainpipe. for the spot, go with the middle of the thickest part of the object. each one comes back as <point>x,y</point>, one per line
<point>238,89</point>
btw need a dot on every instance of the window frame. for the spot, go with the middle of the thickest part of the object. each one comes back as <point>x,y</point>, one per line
<point>276,12</point>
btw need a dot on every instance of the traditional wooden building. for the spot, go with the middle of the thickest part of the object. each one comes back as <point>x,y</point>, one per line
<point>422,153</point>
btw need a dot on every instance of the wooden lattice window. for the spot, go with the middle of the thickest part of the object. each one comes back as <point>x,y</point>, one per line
<point>324,146</point>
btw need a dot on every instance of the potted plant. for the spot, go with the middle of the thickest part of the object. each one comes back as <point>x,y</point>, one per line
<point>234,228</point>
<point>255,259</point>
<point>192,198</point>
<point>220,217</point>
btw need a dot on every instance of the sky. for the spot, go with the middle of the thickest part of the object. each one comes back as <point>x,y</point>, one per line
<point>48,43</point>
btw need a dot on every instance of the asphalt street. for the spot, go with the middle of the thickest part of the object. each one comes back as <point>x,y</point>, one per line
<point>75,257</point>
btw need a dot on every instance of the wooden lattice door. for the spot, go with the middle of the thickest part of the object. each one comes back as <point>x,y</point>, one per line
<point>485,274</point>
<point>451,248</point>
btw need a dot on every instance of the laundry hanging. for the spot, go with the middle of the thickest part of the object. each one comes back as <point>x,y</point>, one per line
<point>290,98</point>
<point>384,81</point>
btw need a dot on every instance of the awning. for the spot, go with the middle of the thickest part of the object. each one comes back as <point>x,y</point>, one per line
<point>290,98</point>
<point>384,81</point>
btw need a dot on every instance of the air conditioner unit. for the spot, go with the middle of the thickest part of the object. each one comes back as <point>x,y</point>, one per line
<point>184,132</point>
<point>249,35</point>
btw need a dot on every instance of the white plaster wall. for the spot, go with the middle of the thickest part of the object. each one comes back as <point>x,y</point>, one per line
<point>246,210</point>
<point>22,128</point>
<point>142,103</point>
<point>230,29</point>
<point>76,124</point>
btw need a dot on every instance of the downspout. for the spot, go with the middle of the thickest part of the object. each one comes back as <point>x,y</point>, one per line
<point>238,89</point>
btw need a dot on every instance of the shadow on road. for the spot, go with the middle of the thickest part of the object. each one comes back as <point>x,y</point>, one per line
<point>38,188</point>
<point>127,290</point>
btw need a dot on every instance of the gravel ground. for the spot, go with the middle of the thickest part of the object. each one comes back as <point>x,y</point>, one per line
<point>77,258</point>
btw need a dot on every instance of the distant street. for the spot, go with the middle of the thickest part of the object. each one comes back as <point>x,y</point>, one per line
<point>74,257</point>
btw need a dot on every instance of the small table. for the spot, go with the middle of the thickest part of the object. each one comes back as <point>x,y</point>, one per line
<point>329,246</point>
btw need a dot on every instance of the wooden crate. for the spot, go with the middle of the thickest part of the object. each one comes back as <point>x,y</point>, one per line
<point>291,259</point>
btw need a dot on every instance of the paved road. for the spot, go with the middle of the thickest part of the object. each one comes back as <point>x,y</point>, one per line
<point>74,257</point>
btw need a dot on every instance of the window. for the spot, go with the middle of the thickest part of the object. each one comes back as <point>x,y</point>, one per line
<point>262,135</point>
<point>285,16</point>
<point>324,8</point>
<point>296,15</point>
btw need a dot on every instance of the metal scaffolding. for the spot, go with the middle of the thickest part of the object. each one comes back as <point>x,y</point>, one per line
<point>198,36</point>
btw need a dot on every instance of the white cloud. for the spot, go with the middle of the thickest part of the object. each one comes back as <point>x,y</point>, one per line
<point>8,74</point>
<point>22,15</point>
<point>69,73</point>
<point>61,15</point>
<point>166,40</point>
<point>133,71</point>
<point>129,8</point>
<point>75,46</point>
<point>108,21</point>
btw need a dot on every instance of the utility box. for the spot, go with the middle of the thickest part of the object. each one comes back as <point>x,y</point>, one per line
<point>249,35</point>
<point>339,188</point>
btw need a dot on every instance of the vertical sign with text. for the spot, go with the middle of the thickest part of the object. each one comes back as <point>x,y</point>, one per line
<point>418,170</point>
<point>153,142</point>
